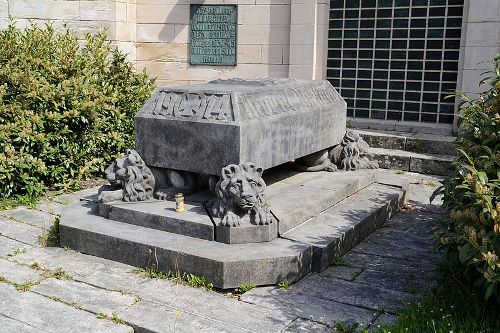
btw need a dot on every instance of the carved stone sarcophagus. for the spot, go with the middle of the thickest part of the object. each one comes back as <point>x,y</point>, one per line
<point>203,128</point>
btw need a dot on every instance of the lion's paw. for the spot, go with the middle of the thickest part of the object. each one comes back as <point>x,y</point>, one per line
<point>166,193</point>
<point>330,168</point>
<point>261,216</point>
<point>231,220</point>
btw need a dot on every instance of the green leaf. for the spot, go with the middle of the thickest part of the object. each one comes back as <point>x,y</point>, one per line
<point>463,252</point>
<point>483,178</point>
<point>489,291</point>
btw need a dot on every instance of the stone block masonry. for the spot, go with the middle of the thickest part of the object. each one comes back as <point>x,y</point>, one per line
<point>203,128</point>
<point>155,34</point>
<point>118,17</point>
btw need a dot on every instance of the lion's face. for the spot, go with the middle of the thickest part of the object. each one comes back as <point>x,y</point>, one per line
<point>354,144</point>
<point>117,173</point>
<point>243,185</point>
<point>131,173</point>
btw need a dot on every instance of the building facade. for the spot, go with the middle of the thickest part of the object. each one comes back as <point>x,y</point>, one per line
<point>394,61</point>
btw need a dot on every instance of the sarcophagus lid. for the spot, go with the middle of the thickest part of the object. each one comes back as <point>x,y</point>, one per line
<point>202,128</point>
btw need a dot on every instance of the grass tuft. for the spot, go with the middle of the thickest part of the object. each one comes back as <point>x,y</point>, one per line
<point>50,237</point>
<point>285,285</point>
<point>185,278</point>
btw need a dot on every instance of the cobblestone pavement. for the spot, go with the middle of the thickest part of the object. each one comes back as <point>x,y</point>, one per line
<point>59,290</point>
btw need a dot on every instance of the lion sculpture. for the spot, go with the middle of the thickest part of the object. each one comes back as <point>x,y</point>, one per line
<point>240,192</point>
<point>351,154</point>
<point>130,179</point>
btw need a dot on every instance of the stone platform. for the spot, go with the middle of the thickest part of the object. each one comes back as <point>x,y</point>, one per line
<point>320,216</point>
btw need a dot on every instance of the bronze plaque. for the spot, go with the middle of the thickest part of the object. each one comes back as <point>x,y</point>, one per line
<point>213,35</point>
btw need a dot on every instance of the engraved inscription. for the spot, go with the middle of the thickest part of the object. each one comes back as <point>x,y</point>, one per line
<point>192,105</point>
<point>213,35</point>
<point>285,101</point>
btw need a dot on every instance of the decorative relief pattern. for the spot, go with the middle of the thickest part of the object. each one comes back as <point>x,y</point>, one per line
<point>192,105</point>
<point>286,100</point>
<point>270,97</point>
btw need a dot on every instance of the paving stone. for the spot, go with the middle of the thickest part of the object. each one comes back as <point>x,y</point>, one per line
<point>213,305</point>
<point>34,217</point>
<point>11,325</point>
<point>147,316</point>
<point>307,306</point>
<point>384,320</point>
<point>43,313</point>
<point>9,246</point>
<point>88,297</point>
<point>96,271</point>
<point>17,273</point>
<point>409,282</point>
<point>50,207</point>
<point>302,326</point>
<point>384,264</point>
<point>72,198</point>
<point>422,257</point>
<point>341,272</point>
<point>355,294</point>
<point>21,232</point>
<point>419,198</point>
<point>414,222</point>
<point>394,237</point>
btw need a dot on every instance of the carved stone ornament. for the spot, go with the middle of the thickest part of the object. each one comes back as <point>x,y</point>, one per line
<point>240,193</point>
<point>352,153</point>
<point>129,178</point>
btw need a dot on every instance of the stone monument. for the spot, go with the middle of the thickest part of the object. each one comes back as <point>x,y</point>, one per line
<point>219,144</point>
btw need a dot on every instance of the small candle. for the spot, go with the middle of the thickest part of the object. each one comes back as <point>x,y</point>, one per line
<point>179,203</point>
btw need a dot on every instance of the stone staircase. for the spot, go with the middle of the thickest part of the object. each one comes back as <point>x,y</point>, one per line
<point>414,152</point>
<point>320,217</point>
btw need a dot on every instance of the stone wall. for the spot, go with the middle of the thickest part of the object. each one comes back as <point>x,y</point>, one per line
<point>480,43</point>
<point>276,38</point>
<point>163,34</point>
<point>117,16</point>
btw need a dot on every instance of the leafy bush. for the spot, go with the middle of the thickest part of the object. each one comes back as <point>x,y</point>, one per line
<point>66,107</point>
<point>471,237</point>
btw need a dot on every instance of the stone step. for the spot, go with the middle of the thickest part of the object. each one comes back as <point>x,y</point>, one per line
<point>294,199</point>
<point>297,198</point>
<point>412,142</point>
<point>338,229</point>
<point>161,215</point>
<point>224,265</point>
<point>413,162</point>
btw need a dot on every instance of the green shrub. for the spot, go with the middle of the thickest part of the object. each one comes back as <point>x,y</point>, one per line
<point>471,237</point>
<point>66,107</point>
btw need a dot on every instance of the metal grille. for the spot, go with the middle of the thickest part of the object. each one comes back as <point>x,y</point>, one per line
<point>395,59</point>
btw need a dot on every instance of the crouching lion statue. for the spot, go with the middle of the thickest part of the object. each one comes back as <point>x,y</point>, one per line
<point>240,191</point>
<point>351,154</point>
<point>129,178</point>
